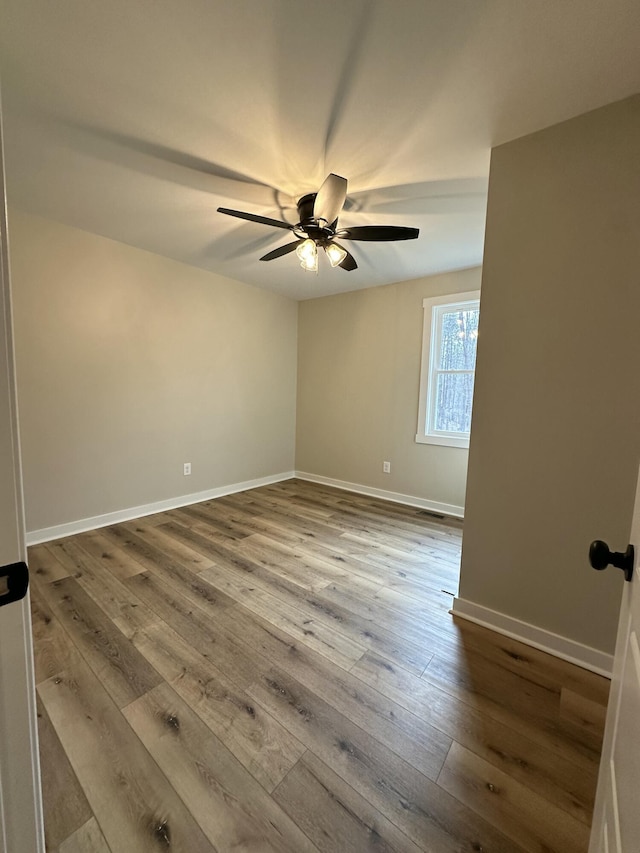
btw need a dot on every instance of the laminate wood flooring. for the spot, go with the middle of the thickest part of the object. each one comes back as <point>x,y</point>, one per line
<point>278,670</point>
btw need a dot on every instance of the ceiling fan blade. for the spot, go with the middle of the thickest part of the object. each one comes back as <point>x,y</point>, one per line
<point>348,262</point>
<point>378,232</point>
<point>252,217</point>
<point>280,251</point>
<point>330,198</point>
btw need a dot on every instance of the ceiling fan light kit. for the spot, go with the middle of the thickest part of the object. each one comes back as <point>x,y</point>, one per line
<point>307,251</point>
<point>318,226</point>
<point>335,253</point>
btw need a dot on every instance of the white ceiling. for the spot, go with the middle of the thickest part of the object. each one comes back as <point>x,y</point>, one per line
<point>136,119</point>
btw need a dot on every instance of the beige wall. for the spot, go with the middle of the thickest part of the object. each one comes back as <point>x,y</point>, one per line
<point>556,427</point>
<point>130,364</point>
<point>358,379</point>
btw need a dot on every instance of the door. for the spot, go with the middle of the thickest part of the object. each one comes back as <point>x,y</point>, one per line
<point>616,821</point>
<point>21,825</point>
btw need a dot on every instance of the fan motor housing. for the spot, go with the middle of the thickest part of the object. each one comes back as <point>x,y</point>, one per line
<point>305,209</point>
<point>321,232</point>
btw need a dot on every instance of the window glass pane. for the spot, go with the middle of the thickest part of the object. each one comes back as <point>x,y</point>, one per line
<point>454,395</point>
<point>459,339</point>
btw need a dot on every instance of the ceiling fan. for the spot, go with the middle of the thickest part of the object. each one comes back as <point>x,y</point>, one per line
<point>318,227</point>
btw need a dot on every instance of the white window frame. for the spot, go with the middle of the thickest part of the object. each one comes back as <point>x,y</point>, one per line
<point>433,308</point>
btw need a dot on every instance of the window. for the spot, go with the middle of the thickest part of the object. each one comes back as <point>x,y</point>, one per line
<point>449,342</point>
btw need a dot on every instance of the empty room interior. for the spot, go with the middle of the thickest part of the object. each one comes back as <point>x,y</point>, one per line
<point>308,514</point>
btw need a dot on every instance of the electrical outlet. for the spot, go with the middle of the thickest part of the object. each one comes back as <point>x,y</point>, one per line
<point>386,467</point>
<point>187,469</point>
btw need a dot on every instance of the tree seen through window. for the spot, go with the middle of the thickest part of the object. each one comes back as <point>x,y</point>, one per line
<point>455,370</point>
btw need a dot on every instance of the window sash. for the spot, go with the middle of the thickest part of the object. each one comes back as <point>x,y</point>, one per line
<point>432,409</point>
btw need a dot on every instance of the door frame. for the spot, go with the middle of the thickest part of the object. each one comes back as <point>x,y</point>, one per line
<point>21,813</point>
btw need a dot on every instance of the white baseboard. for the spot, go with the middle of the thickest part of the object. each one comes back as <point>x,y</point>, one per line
<point>562,647</point>
<point>46,534</point>
<point>395,497</point>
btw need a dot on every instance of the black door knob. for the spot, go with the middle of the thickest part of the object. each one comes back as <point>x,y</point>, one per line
<point>600,556</point>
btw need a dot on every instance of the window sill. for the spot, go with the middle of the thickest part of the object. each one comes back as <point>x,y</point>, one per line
<point>443,440</point>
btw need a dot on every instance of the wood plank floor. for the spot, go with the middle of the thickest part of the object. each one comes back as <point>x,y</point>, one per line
<point>277,670</point>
